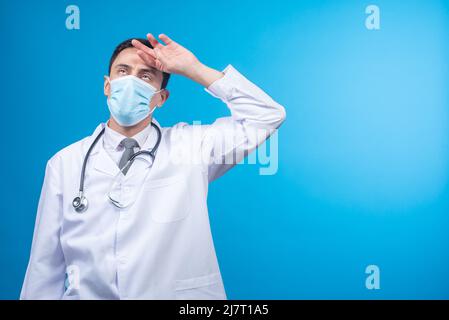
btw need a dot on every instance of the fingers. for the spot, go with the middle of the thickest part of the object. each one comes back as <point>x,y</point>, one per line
<point>158,62</point>
<point>149,60</point>
<point>153,40</point>
<point>140,46</point>
<point>154,57</point>
<point>160,57</point>
<point>165,38</point>
<point>147,54</point>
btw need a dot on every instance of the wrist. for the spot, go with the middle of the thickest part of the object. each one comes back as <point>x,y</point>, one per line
<point>203,74</point>
<point>194,69</point>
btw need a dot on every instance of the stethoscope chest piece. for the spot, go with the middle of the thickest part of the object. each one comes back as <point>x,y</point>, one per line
<point>80,203</point>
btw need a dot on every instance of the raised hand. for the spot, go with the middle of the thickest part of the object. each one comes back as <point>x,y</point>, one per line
<point>169,58</point>
<point>174,58</point>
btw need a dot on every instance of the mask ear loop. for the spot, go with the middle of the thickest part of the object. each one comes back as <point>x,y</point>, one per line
<point>156,106</point>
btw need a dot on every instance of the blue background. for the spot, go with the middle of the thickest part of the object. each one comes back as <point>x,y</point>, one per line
<point>363,155</point>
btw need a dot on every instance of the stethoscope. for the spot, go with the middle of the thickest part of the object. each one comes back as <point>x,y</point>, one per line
<point>80,202</point>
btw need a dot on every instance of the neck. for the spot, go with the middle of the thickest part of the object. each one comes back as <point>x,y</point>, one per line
<point>129,131</point>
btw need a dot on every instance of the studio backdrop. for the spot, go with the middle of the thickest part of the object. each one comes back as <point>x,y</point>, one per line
<point>350,199</point>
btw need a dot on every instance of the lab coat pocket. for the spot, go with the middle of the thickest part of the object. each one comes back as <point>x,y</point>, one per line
<point>206,287</point>
<point>168,199</point>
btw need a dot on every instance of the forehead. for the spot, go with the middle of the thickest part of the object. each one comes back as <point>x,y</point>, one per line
<point>130,57</point>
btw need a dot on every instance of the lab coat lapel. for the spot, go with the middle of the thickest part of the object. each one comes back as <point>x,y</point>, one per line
<point>102,161</point>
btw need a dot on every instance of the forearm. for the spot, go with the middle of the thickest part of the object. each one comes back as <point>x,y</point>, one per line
<point>203,74</point>
<point>246,101</point>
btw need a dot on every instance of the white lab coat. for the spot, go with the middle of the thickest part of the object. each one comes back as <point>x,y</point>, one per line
<point>161,247</point>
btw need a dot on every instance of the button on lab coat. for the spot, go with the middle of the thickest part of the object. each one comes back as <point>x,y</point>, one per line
<point>161,247</point>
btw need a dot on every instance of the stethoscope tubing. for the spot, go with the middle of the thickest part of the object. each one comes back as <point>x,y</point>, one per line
<point>80,203</point>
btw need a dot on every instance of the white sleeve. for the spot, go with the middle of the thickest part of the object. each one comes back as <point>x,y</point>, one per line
<point>45,275</point>
<point>254,117</point>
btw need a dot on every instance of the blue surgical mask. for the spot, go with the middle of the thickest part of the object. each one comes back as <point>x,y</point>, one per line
<point>129,100</point>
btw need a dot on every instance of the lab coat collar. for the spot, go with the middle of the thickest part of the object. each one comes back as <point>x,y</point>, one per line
<point>149,142</point>
<point>103,161</point>
<point>152,137</point>
<point>113,139</point>
<point>138,167</point>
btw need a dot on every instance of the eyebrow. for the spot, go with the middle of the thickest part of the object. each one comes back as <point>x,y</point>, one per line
<point>148,70</point>
<point>122,65</point>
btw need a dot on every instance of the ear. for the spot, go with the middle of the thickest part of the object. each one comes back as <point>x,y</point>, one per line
<point>164,94</point>
<point>107,86</point>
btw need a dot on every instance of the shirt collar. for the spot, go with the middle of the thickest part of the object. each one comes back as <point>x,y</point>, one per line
<point>113,138</point>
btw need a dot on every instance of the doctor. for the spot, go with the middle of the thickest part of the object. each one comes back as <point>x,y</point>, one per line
<point>139,228</point>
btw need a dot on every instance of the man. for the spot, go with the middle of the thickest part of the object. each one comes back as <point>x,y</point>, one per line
<point>145,232</point>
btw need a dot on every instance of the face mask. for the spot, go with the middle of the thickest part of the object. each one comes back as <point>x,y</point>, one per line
<point>129,101</point>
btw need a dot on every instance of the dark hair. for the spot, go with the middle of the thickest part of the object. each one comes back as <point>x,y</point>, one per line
<point>127,44</point>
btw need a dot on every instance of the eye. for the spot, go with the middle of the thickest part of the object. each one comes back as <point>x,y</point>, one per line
<point>121,71</point>
<point>146,77</point>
